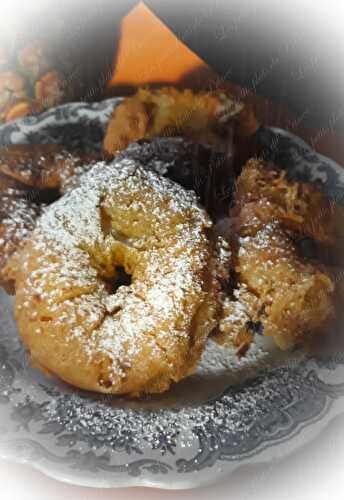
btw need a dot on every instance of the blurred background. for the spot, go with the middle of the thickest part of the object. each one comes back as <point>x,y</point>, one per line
<point>285,57</point>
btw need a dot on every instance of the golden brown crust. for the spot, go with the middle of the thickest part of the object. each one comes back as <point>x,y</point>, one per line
<point>18,215</point>
<point>30,177</point>
<point>204,117</point>
<point>41,166</point>
<point>265,193</point>
<point>140,337</point>
<point>278,292</point>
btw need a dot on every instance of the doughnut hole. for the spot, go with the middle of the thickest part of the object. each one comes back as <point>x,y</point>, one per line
<point>121,278</point>
<point>115,263</point>
<point>125,268</point>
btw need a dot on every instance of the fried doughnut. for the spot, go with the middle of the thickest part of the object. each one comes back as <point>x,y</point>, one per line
<point>279,293</point>
<point>43,172</point>
<point>265,190</point>
<point>44,166</point>
<point>104,336</point>
<point>32,176</point>
<point>18,215</point>
<point>214,119</point>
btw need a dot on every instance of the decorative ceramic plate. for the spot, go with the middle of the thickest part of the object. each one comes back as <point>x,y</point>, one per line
<point>228,414</point>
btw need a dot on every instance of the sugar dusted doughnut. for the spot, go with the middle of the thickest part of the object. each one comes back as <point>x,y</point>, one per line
<point>18,215</point>
<point>32,176</point>
<point>43,166</point>
<point>279,292</point>
<point>76,320</point>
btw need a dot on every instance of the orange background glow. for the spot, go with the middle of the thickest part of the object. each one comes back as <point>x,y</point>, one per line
<point>150,54</point>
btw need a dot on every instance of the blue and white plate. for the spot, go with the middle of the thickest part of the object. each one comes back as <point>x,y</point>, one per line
<point>230,413</point>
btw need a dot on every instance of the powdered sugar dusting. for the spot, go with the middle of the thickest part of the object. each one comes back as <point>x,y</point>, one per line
<point>17,219</point>
<point>161,226</point>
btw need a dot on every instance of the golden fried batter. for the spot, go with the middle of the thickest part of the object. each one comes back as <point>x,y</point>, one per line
<point>264,194</point>
<point>93,331</point>
<point>18,215</point>
<point>42,166</point>
<point>203,117</point>
<point>278,292</point>
<point>30,177</point>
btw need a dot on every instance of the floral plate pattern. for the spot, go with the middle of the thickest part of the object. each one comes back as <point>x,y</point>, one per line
<point>228,414</point>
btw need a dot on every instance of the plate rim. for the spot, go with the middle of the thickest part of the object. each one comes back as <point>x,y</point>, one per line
<point>127,481</point>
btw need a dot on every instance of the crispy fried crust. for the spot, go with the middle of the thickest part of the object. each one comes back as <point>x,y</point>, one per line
<point>278,292</point>
<point>32,176</point>
<point>134,338</point>
<point>206,118</point>
<point>42,166</point>
<point>264,193</point>
<point>18,215</point>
